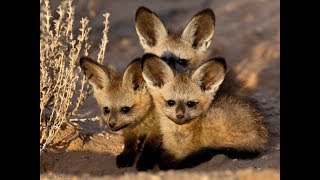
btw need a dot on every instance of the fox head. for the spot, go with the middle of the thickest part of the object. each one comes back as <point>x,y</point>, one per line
<point>182,97</point>
<point>179,50</point>
<point>124,100</point>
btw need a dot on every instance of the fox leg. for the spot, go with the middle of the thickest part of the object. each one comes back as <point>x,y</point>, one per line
<point>197,158</point>
<point>150,153</point>
<point>168,161</point>
<point>127,157</point>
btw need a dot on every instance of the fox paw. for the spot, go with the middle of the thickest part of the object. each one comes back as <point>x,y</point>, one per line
<point>125,160</point>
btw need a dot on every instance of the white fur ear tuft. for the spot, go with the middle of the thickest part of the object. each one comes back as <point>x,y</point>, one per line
<point>210,75</point>
<point>200,30</point>
<point>202,47</point>
<point>207,44</point>
<point>149,82</point>
<point>97,75</point>
<point>155,71</point>
<point>132,77</point>
<point>149,28</point>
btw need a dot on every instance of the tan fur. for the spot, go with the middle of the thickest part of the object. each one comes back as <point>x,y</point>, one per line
<point>117,91</point>
<point>220,119</point>
<point>190,44</point>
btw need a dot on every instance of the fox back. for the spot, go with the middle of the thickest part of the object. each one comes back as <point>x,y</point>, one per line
<point>201,109</point>
<point>180,50</point>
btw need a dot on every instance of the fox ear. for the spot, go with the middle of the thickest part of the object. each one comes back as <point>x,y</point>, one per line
<point>149,28</point>
<point>132,77</point>
<point>200,30</point>
<point>98,75</point>
<point>155,71</point>
<point>210,75</point>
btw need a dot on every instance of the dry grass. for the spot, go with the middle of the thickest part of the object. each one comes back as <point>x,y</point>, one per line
<point>62,88</point>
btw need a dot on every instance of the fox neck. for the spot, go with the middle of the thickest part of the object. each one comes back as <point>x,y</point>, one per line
<point>148,121</point>
<point>185,136</point>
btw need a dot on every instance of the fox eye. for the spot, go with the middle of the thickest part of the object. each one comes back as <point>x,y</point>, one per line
<point>106,110</point>
<point>171,102</point>
<point>191,104</point>
<point>125,109</point>
<point>182,62</point>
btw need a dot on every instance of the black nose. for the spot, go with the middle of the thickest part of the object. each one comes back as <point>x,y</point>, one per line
<point>112,125</point>
<point>180,116</point>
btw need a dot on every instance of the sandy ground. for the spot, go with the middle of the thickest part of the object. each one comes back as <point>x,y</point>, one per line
<point>247,34</point>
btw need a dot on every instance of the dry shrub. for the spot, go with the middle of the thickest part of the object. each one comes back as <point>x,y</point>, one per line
<point>63,88</point>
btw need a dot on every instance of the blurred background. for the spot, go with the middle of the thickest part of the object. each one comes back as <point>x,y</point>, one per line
<point>247,33</point>
<point>244,28</point>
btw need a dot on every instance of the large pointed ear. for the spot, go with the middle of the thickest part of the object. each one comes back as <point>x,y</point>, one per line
<point>99,76</point>
<point>149,28</point>
<point>200,30</point>
<point>132,77</point>
<point>155,71</point>
<point>210,75</point>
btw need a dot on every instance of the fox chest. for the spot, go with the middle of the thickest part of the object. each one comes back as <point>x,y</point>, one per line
<point>178,140</point>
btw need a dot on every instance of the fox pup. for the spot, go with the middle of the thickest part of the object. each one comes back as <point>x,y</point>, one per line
<point>180,50</point>
<point>126,104</point>
<point>201,109</point>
